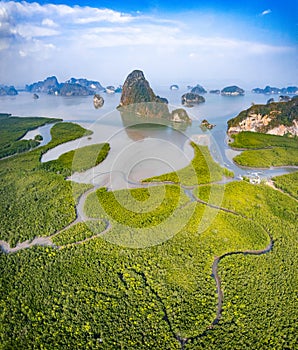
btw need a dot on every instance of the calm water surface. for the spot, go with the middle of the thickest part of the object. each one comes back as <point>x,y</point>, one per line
<point>140,151</point>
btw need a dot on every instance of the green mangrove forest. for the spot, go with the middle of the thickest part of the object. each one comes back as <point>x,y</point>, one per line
<point>182,262</point>
<point>264,150</point>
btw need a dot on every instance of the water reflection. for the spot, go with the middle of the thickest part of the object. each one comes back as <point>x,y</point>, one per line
<point>137,135</point>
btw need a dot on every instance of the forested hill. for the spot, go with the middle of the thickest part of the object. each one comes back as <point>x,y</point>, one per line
<point>265,118</point>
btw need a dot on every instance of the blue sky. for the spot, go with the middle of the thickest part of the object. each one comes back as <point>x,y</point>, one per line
<point>215,43</point>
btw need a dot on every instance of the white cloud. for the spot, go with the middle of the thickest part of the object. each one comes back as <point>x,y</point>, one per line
<point>94,28</point>
<point>266,12</point>
<point>157,36</point>
<point>76,14</point>
<point>22,53</point>
<point>38,50</point>
<point>3,45</point>
<point>32,31</point>
<point>91,15</point>
<point>49,23</point>
<point>76,38</point>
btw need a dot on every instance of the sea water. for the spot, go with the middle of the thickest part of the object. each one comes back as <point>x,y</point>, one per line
<point>142,150</point>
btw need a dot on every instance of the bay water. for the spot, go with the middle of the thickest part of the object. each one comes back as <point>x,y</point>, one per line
<point>142,150</point>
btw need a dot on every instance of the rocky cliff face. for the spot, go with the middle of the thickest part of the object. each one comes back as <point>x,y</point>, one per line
<point>283,129</point>
<point>180,116</point>
<point>136,89</point>
<point>98,101</point>
<point>138,99</point>
<point>206,125</point>
<point>276,118</point>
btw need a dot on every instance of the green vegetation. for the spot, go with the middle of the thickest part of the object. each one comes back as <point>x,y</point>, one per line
<point>18,147</point>
<point>267,158</point>
<point>38,138</point>
<point>64,132</point>
<point>78,189</point>
<point>280,113</point>
<point>99,293</point>
<point>35,202</point>
<point>12,129</point>
<point>105,295</point>
<point>78,160</point>
<point>202,169</point>
<point>79,232</point>
<point>265,150</point>
<point>140,217</point>
<point>259,308</point>
<point>38,204</point>
<point>288,183</point>
<point>255,140</point>
<point>123,207</point>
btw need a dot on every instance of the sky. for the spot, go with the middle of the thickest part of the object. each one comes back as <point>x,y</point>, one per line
<point>213,43</point>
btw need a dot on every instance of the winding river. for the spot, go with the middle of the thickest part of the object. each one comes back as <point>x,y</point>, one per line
<point>81,217</point>
<point>150,151</point>
<point>141,152</point>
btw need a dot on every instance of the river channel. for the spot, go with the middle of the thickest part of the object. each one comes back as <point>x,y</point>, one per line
<point>141,150</point>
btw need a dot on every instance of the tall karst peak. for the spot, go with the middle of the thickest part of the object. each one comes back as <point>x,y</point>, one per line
<point>139,100</point>
<point>136,89</point>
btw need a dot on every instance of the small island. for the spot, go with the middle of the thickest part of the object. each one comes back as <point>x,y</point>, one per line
<point>180,116</point>
<point>190,99</point>
<point>206,125</point>
<point>214,92</point>
<point>139,100</point>
<point>269,90</point>
<point>98,101</point>
<point>232,91</point>
<point>198,89</point>
<point>110,89</point>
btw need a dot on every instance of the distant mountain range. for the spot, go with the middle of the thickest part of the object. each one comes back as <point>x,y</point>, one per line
<point>72,87</point>
<point>85,87</point>
<point>7,90</point>
<point>90,84</point>
<point>269,90</point>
